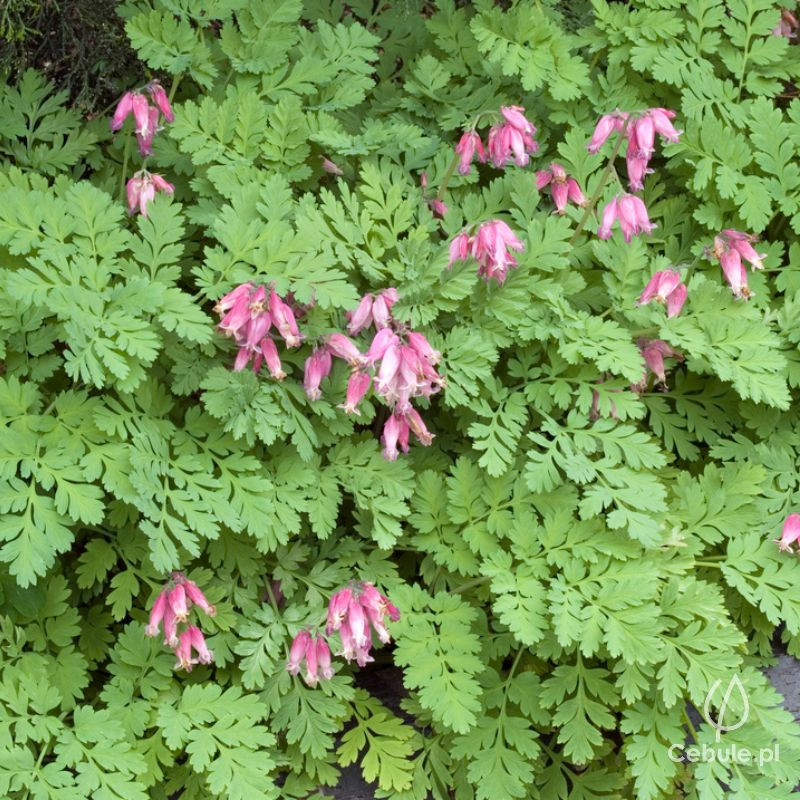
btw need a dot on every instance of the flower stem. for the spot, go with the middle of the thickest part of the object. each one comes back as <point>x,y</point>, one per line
<point>125,157</point>
<point>176,80</point>
<point>590,206</point>
<point>449,174</point>
<point>469,584</point>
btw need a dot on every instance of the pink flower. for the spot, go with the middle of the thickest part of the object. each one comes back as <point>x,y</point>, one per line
<point>741,242</point>
<point>469,144</point>
<point>357,387</point>
<point>157,614</point>
<point>192,639</point>
<point>459,248</point>
<point>123,110</point>
<point>311,663</point>
<point>438,207</point>
<point>382,307</point>
<point>270,354</point>
<point>391,434</point>
<point>324,658</point>
<point>665,287</point>
<point>142,188</point>
<point>606,125</point>
<point>161,100</point>
<point>563,188</point>
<point>318,366</point>
<point>384,339</point>
<point>422,347</point>
<point>177,600</point>
<point>662,122</point>
<point>330,167</point>
<point>183,650</point>
<point>141,114</point>
<point>417,427</point>
<point>204,655</point>
<point>366,610</point>
<point>361,317</point>
<point>172,606</point>
<point>513,138</point>
<point>729,248</point>
<point>490,248</point>
<point>342,347</point>
<point>790,534</point>
<point>654,352</point>
<point>630,212</point>
<point>284,320</point>
<point>297,652</point>
<point>337,608</point>
<point>196,597</point>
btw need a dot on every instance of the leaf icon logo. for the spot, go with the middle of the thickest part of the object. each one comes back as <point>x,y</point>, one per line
<point>719,724</point>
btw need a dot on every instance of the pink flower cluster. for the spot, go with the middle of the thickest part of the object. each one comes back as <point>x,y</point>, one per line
<point>490,246</point>
<point>142,188</point>
<point>563,188</point>
<point>640,131</point>
<point>354,612</point>
<point>630,212</point>
<point>248,314</point>
<point>510,139</point>
<point>790,534</point>
<point>665,287</point>
<point>315,652</point>
<point>171,608</point>
<point>654,352</point>
<point>147,117</point>
<point>399,363</point>
<point>730,247</point>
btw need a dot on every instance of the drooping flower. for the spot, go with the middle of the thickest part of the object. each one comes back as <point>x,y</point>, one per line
<point>283,319</point>
<point>190,640</point>
<point>330,167</point>
<point>491,247</point>
<point>145,116</point>
<point>730,247</point>
<point>142,188</point>
<point>357,387</point>
<point>459,248</point>
<point>630,212</point>
<point>372,311</point>
<point>606,125</point>
<point>654,352</point>
<point>171,607</point>
<point>161,100</point>
<point>512,139</point>
<point>469,144</point>
<point>354,612</point>
<point>318,366</point>
<point>438,207</point>
<point>790,534</point>
<point>246,318</point>
<point>122,111</point>
<point>665,287</point>
<point>563,188</point>
<point>787,25</point>
<point>342,347</point>
<point>742,243</point>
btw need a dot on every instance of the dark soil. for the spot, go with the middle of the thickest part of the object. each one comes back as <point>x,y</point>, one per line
<point>78,45</point>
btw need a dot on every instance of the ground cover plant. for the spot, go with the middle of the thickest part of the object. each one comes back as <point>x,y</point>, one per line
<point>456,337</point>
